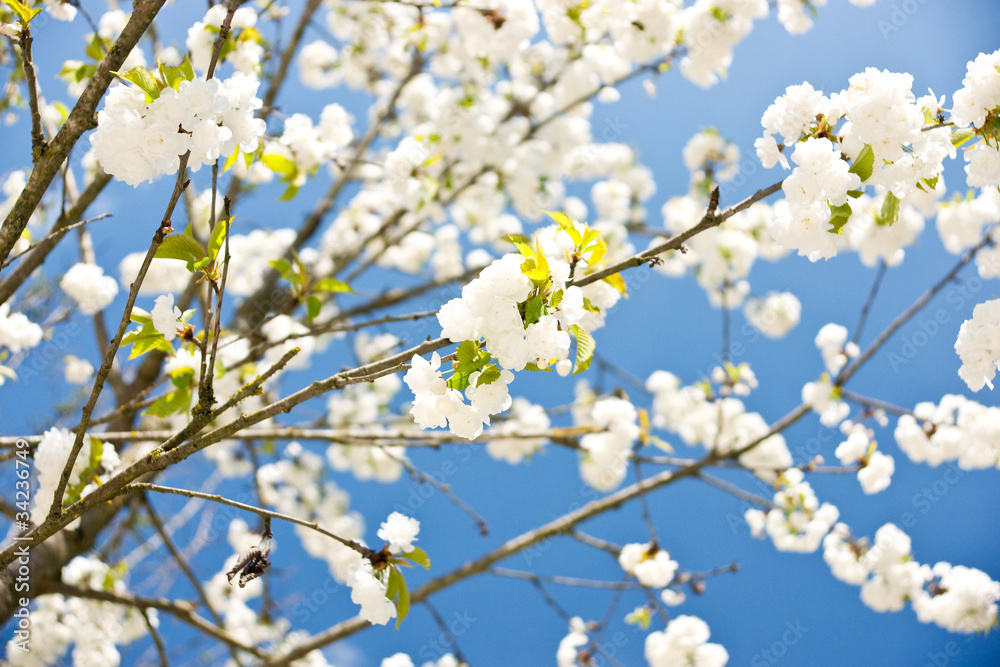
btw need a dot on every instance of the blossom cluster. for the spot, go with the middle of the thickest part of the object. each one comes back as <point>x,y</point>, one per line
<point>718,423</point>
<point>138,139</point>
<point>956,598</point>
<point>956,430</point>
<point>798,521</point>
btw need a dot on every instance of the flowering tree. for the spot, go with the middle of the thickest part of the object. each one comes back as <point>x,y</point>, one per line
<point>209,381</point>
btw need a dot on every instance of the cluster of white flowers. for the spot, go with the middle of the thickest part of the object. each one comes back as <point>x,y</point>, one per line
<point>957,429</point>
<point>76,370</point>
<point>308,145</point>
<point>17,332</point>
<point>568,653</point>
<point>650,565</point>
<point>876,468</point>
<point>95,629</point>
<point>720,258</point>
<point>877,110</point>
<point>403,660</point>
<point>523,417</point>
<point>976,103</point>
<point>604,456</point>
<point>710,158</point>
<point>961,221</point>
<point>684,642</point>
<point>488,308</point>
<point>50,459</point>
<point>246,51</point>
<point>798,522</point>
<point>87,285</point>
<point>138,141</point>
<point>978,345</point>
<point>822,396</point>
<point>723,424</point>
<point>956,598</point>
<point>775,315</point>
<point>435,404</point>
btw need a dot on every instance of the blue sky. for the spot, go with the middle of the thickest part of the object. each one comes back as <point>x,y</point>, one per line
<point>668,324</point>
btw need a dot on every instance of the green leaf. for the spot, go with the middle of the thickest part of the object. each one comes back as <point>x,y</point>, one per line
<point>24,13</point>
<point>536,267</point>
<point>313,306</point>
<point>566,224</point>
<point>839,215</point>
<point>145,339</point>
<point>489,375</point>
<point>534,310</point>
<point>289,193</point>
<point>140,316</point>
<point>864,163</point>
<point>534,367</point>
<point>556,298</point>
<point>522,242</point>
<point>928,184</point>
<point>279,164</point>
<point>392,586</point>
<point>142,78</point>
<point>173,403</point>
<point>332,285</point>
<point>468,359</point>
<point>960,135</point>
<point>231,160</point>
<point>95,49</point>
<point>96,452</point>
<point>287,271</point>
<point>182,247</point>
<point>890,210</point>
<point>585,347</point>
<point>417,555</point>
<point>218,238</point>
<point>403,601</point>
<point>854,194</point>
<point>187,68</point>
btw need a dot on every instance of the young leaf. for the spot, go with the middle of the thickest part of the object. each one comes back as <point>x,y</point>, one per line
<point>536,268</point>
<point>489,375</point>
<point>145,339</point>
<point>231,160</point>
<point>534,310</point>
<point>585,347</point>
<point>173,403</point>
<point>839,215</point>
<point>417,555</point>
<point>24,13</point>
<point>142,77</point>
<point>403,601</point>
<point>566,224</point>
<point>864,163</point>
<point>960,135</point>
<point>890,210</point>
<point>218,238</point>
<point>332,285</point>
<point>313,306</point>
<point>279,164</point>
<point>180,246</point>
